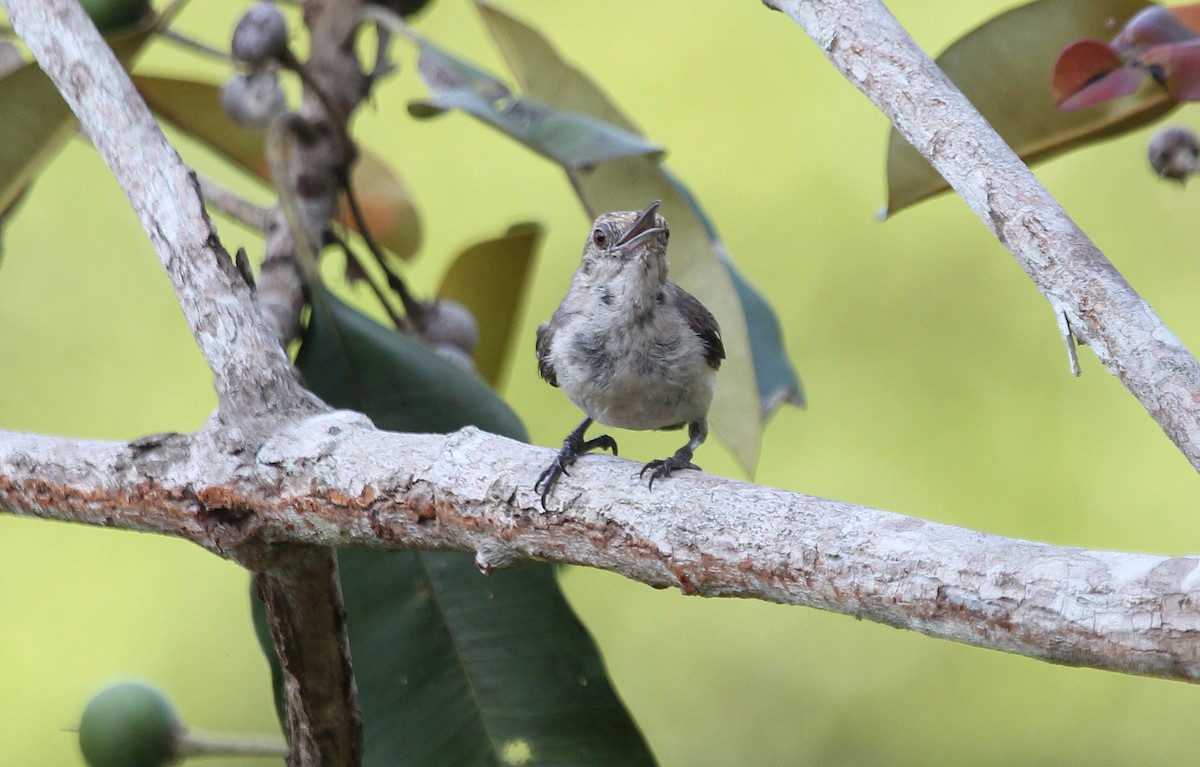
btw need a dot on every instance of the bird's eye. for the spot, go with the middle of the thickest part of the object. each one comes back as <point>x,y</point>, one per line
<point>599,237</point>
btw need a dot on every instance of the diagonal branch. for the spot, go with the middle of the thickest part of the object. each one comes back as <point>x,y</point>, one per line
<point>334,480</point>
<point>874,52</point>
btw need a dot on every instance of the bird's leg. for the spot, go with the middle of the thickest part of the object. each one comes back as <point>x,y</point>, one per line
<point>573,447</point>
<point>664,467</point>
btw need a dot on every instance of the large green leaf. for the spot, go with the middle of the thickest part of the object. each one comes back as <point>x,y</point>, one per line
<point>1004,67</point>
<point>757,376</point>
<point>491,278</point>
<point>352,361</point>
<point>195,108</point>
<point>454,668</point>
<point>572,139</point>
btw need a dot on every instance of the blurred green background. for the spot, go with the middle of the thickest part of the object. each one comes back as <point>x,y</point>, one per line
<point>938,387</point>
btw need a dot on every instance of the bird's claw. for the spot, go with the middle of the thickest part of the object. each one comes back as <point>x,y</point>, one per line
<point>665,467</point>
<point>572,448</point>
<point>549,478</point>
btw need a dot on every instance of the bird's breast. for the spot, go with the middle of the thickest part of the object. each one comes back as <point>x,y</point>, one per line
<point>644,373</point>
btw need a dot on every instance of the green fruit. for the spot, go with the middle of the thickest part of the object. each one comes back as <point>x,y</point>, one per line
<point>113,14</point>
<point>128,725</point>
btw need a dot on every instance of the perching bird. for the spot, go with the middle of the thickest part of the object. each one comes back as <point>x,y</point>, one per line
<point>628,346</point>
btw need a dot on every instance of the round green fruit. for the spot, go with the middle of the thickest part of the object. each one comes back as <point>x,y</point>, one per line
<point>128,725</point>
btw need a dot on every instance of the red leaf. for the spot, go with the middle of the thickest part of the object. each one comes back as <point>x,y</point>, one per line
<point>1178,66</point>
<point>1116,84</point>
<point>1189,15</point>
<point>1080,65</point>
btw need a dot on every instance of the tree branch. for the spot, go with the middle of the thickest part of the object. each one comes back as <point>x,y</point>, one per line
<point>874,52</point>
<point>334,480</point>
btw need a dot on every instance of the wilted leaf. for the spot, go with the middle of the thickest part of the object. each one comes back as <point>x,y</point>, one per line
<point>491,278</point>
<point>386,205</point>
<point>573,140</point>
<point>1004,67</point>
<point>454,668</point>
<point>195,108</point>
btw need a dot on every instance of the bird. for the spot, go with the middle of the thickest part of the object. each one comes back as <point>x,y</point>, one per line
<point>629,347</point>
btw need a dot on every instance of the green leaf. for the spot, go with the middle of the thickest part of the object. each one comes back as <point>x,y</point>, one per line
<point>490,278</point>
<point>463,669</point>
<point>1004,67</point>
<point>352,361</point>
<point>757,376</point>
<point>454,668</point>
<point>195,108</point>
<point>571,139</point>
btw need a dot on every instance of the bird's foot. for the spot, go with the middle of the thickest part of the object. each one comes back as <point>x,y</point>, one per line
<point>665,467</point>
<point>573,447</point>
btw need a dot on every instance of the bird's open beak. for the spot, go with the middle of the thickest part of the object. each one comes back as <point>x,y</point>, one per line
<point>645,226</point>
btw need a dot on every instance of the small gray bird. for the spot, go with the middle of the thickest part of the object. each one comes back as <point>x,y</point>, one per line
<point>628,346</point>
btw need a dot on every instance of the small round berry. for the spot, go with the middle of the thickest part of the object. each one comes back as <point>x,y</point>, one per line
<point>449,322</point>
<point>253,100</point>
<point>456,355</point>
<point>1173,154</point>
<point>261,36</point>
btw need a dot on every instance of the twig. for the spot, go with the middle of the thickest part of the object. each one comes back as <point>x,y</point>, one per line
<point>194,45</point>
<point>870,48</point>
<point>412,307</point>
<point>380,295</point>
<point>232,205</point>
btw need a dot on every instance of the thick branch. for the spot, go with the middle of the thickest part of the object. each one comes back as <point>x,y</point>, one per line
<point>253,377</point>
<point>333,480</point>
<point>324,729</point>
<point>866,43</point>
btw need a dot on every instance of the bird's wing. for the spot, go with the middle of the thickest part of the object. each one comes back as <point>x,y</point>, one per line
<point>545,335</point>
<point>702,323</point>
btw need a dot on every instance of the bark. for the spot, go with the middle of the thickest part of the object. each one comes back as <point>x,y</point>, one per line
<point>334,480</point>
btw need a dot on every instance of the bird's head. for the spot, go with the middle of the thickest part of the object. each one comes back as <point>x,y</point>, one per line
<point>627,245</point>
